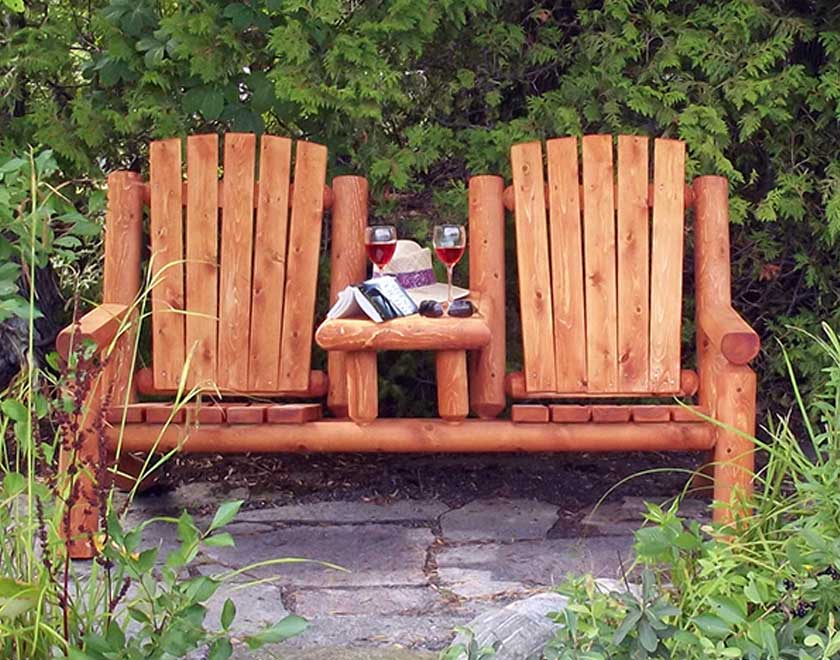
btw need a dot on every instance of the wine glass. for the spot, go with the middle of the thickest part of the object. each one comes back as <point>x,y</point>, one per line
<point>449,242</point>
<point>380,243</point>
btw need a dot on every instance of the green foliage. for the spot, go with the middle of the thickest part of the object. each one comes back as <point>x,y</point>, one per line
<point>419,95</point>
<point>768,589</point>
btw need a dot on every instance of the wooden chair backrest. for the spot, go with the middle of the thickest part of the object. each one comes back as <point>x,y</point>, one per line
<point>235,262</point>
<point>600,274</point>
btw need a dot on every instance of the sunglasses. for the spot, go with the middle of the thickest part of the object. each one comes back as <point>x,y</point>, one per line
<point>458,308</point>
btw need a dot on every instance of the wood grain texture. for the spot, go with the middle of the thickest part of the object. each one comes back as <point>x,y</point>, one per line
<point>487,285</point>
<point>100,326</point>
<point>202,257</point>
<point>302,265</point>
<point>599,258</point>
<point>418,435</point>
<point>515,388</point>
<point>648,414</point>
<point>451,376</point>
<point>163,413</point>
<point>250,413</point>
<point>268,287</point>
<point>633,231</point>
<point>611,414</point>
<point>167,261</point>
<point>362,387</point>
<point>529,413</point>
<point>317,387</point>
<point>666,264</point>
<point>570,414</point>
<point>532,258</point>
<point>409,333</point>
<point>237,251</point>
<point>347,266</point>
<point>567,265</point>
<point>293,413</point>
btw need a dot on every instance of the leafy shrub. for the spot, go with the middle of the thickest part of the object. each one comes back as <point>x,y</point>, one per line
<point>769,588</point>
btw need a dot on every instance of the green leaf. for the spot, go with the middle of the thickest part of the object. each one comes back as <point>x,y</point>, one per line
<point>14,410</point>
<point>228,613</point>
<point>222,649</point>
<point>626,626</point>
<point>730,610</point>
<point>13,483</point>
<point>711,625</point>
<point>647,637</point>
<point>16,597</point>
<point>226,513</point>
<point>284,629</point>
<point>221,540</point>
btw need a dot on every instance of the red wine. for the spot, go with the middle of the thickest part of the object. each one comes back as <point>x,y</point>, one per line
<point>450,255</point>
<point>380,253</point>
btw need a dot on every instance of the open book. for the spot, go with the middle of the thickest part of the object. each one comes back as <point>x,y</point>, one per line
<point>380,299</point>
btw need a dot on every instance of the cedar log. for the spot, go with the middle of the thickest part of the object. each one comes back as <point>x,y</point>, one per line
<point>100,325</point>
<point>411,333</point>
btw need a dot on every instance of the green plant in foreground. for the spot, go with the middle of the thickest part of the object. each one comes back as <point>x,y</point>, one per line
<point>469,648</point>
<point>133,601</point>
<point>769,588</point>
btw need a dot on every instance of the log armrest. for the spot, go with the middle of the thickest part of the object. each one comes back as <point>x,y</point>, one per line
<point>100,325</point>
<point>730,334</point>
<point>410,333</point>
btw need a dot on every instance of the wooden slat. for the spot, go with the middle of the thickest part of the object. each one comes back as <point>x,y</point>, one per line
<point>566,265</point>
<point>633,263</point>
<point>134,414</point>
<point>533,265</point>
<point>647,414</point>
<point>570,414</point>
<point>611,414</point>
<point>269,263</point>
<point>666,265</point>
<point>160,413</point>
<point>302,265</point>
<point>688,413</point>
<point>599,257</point>
<point>210,414</point>
<point>245,413</point>
<point>167,259</point>
<point>293,413</point>
<point>529,413</point>
<point>235,277</point>
<point>202,256</point>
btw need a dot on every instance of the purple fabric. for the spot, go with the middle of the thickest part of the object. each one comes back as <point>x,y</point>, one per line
<point>412,279</point>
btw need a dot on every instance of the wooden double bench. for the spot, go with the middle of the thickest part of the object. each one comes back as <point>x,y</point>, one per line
<point>599,225</point>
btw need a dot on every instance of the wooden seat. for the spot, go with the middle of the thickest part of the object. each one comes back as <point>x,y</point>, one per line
<point>599,245</point>
<point>233,270</point>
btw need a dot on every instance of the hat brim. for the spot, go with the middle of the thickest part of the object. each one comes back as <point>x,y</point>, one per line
<point>437,292</point>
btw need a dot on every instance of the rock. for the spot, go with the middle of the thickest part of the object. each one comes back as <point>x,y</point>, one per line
<point>348,512</point>
<point>522,629</point>
<point>627,515</point>
<point>369,600</point>
<point>334,653</point>
<point>493,569</point>
<point>499,520</point>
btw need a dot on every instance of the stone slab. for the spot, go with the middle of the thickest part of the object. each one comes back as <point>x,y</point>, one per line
<point>499,520</point>
<point>493,569</point>
<point>257,606</point>
<point>404,601</point>
<point>625,516</point>
<point>349,512</point>
<point>333,653</point>
<point>372,555</point>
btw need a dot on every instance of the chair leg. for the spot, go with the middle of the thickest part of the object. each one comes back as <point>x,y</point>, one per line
<point>362,386</point>
<point>452,392</point>
<point>79,461</point>
<point>734,464</point>
<point>128,470</point>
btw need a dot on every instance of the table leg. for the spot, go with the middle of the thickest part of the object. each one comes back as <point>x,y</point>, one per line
<point>362,390</point>
<point>453,396</point>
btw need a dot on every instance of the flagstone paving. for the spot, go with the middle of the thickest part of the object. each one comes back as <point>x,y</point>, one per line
<point>411,570</point>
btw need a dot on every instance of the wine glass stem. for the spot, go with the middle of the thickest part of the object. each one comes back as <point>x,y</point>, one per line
<point>449,287</point>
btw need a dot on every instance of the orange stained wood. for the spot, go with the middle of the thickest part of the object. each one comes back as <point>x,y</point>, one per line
<point>666,265</point>
<point>567,265</point>
<point>302,265</point>
<point>533,263</point>
<point>167,262</point>
<point>202,257</point>
<point>633,263</point>
<point>237,251</point>
<point>613,267</point>
<point>269,263</point>
<point>599,260</point>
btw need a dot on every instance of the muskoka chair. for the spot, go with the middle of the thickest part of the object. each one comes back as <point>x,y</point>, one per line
<point>234,266</point>
<point>600,257</point>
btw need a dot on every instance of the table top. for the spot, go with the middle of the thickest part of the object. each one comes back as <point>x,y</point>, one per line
<point>411,333</point>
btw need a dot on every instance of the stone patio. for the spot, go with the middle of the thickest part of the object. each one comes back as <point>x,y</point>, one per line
<point>413,570</point>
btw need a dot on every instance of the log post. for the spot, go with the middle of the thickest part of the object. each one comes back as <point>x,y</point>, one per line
<point>451,370</point>
<point>123,244</point>
<point>362,386</point>
<point>347,266</point>
<point>726,390</point>
<point>487,285</point>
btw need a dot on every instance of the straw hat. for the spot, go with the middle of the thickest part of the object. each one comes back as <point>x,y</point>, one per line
<point>412,267</point>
